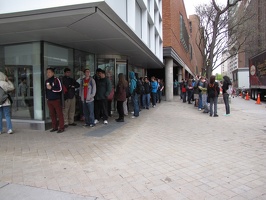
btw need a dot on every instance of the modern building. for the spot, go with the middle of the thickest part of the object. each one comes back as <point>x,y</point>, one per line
<point>182,57</point>
<point>115,35</point>
<point>252,38</point>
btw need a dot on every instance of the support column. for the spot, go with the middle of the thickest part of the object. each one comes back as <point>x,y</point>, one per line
<point>169,79</point>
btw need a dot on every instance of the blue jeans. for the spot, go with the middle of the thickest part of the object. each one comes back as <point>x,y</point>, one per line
<point>204,102</point>
<point>200,101</point>
<point>135,102</point>
<point>146,100</point>
<point>226,103</point>
<point>6,111</point>
<point>88,110</point>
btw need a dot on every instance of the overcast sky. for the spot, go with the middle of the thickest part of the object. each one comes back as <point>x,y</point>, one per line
<point>190,4</point>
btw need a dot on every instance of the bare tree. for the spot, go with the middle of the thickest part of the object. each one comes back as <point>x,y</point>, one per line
<point>220,31</point>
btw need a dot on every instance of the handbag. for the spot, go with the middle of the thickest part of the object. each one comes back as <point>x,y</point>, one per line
<point>111,95</point>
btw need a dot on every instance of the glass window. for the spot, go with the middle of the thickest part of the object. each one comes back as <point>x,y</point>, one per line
<point>23,67</point>
<point>59,58</point>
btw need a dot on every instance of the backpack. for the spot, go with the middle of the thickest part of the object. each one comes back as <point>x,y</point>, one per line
<point>139,87</point>
<point>3,96</point>
<point>229,90</point>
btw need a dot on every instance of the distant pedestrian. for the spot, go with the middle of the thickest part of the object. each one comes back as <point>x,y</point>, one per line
<point>159,90</point>
<point>134,95</point>
<point>213,91</point>
<point>120,95</point>
<point>154,87</point>
<point>146,94</point>
<point>225,87</point>
<point>5,107</point>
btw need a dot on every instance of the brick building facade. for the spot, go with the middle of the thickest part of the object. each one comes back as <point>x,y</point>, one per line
<point>181,54</point>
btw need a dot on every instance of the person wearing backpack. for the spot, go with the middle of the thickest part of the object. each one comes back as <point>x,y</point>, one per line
<point>213,91</point>
<point>225,87</point>
<point>5,107</point>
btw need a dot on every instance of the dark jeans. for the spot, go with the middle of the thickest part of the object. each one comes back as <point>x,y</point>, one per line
<point>184,97</point>
<point>101,109</point>
<point>120,109</point>
<point>189,94</point>
<point>226,103</point>
<point>153,98</point>
<point>159,96</point>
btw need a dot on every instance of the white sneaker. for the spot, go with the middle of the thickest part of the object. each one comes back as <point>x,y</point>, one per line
<point>10,131</point>
<point>105,122</point>
<point>132,112</point>
<point>96,121</point>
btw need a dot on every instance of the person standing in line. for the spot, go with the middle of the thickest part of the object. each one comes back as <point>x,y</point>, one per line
<point>146,95</point>
<point>159,90</point>
<point>225,87</point>
<point>184,90</point>
<point>176,85</point>
<point>213,91</point>
<point>134,95</point>
<point>53,96</point>
<point>87,92</point>
<point>120,95</point>
<point>5,108</point>
<point>154,87</point>
<point>69,85</point>
<point>189,91</point>
<point>203,88</point>
<point>103,89</point>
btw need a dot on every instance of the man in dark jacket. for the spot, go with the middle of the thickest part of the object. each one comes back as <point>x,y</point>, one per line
<point>53,96</point>
<point>146,94</point>
<point>69,85</point>
<point>103,89</point>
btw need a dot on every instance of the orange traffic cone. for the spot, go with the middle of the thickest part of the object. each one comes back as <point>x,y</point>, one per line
<point>247,97</point>
<point>258,99</point>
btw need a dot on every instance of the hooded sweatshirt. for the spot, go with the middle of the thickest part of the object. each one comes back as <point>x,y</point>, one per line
<point>7,86</point>
<point>133,82</point>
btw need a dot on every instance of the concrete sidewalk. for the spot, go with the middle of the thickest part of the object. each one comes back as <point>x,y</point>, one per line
<point>172,151</point>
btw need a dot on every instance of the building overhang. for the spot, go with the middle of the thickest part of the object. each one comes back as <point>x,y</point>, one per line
<point>171,53</point>
<point>92,27</point>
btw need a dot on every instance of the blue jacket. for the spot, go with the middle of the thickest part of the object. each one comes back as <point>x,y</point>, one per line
<point>154,86</point>
<point>133,82</point>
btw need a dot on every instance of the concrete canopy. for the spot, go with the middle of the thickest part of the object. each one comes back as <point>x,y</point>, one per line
<point>92,27</point>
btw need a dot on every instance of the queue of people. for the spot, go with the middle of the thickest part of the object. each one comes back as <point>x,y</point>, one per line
<point>94,93</point>
<point>205,93</point>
